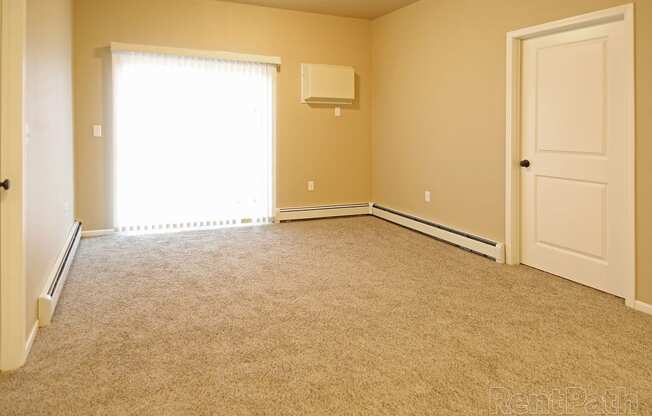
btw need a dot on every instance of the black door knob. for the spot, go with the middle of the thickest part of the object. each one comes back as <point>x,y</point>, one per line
<point>525,163</point>
<point>5,184</point>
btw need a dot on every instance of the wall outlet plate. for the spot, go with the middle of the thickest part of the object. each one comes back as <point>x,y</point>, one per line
<point>97,130</point>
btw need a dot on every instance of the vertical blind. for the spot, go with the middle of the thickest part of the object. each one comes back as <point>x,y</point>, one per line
<point>193,142</point>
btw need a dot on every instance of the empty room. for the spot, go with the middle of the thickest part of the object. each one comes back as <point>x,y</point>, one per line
<point>325,207</point>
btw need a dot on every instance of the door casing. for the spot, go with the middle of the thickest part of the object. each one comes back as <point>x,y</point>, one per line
<point>513,138</point>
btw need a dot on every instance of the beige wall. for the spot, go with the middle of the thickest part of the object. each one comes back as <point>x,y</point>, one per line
<point>438,119</point>
<point>439,111</point>
<point>48,170</point>
<point>312,143</point>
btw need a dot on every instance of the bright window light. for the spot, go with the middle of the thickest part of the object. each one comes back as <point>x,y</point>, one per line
<point>193,142</point>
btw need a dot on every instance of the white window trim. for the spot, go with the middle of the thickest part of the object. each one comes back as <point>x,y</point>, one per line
<point>513,140</point>
<point>223,55</point>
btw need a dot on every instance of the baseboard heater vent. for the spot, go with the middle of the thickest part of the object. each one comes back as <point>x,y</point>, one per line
<point>48,301</point>
<point>325,211</point>
<point>449,235</point>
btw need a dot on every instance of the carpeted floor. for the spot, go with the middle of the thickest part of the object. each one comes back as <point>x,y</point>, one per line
<point>352,316</point>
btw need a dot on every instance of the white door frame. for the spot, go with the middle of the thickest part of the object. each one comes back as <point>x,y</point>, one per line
<point>513,136</point>
<point>12,244</point>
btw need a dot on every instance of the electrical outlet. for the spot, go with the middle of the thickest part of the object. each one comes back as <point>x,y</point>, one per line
<point>311,186</point>
<point>427,196</point>
<point>28,134</point>
<point>97,130</point>
<point>338,111</point>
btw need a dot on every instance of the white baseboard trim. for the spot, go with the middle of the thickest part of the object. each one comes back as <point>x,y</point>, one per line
<point>31,338</point>
<point>476,244</point>
<point>47,302</point>
<point>326,211</point>
<point>643,307</point>
<point>96,233</point>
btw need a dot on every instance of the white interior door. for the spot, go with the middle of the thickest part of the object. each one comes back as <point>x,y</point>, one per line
<point>574,109</point>
<point>13,308</point>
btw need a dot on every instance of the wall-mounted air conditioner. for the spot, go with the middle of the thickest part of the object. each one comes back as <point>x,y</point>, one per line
<point>327,84</point>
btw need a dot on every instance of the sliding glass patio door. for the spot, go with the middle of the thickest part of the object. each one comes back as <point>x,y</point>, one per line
<point>193,142</point>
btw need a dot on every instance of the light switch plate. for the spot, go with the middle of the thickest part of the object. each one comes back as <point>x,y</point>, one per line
<point>338,111</point>
<point>427,196</point>
<point>97,130</point>
<point>311,186</point>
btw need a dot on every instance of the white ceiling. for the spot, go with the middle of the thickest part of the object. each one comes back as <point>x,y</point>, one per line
<point>367,9</point>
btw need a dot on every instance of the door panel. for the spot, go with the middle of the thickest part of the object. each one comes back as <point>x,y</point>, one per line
<point>573,126</point>
<point>584,206</point>
<point>571,97</point>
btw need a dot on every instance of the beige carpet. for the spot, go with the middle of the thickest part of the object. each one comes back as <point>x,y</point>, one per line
<point>350,316</point>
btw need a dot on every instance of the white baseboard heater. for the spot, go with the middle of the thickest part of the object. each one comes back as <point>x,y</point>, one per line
<point>460,239</point>
<point>324,211</point>
<point>48,300</point>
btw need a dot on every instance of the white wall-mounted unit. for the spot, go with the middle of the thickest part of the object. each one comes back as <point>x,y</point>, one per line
<point>327,84</point>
